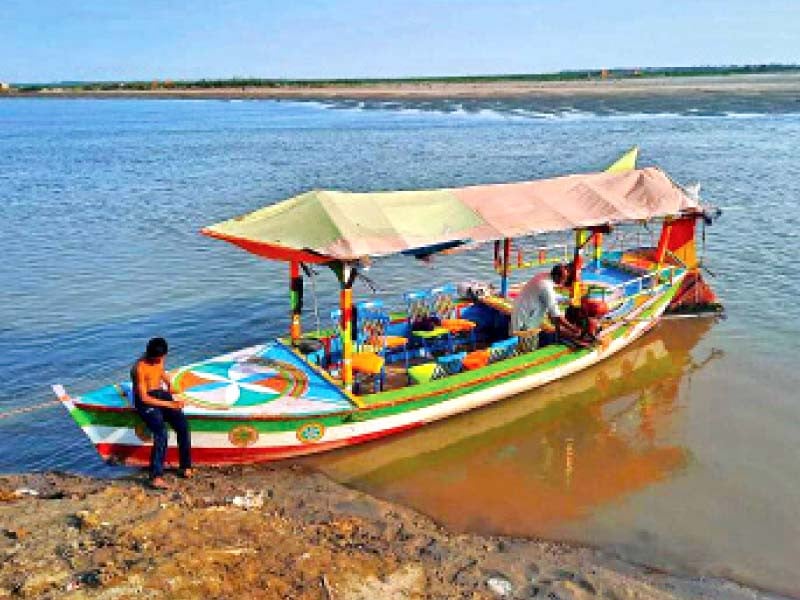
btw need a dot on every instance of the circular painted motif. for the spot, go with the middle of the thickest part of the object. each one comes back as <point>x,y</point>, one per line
<point>223,385</point>
<point>143,433</point>
<point>309,433</point>
<point>243,436</point>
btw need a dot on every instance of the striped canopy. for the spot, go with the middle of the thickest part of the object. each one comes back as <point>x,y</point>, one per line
<point>322,225</point>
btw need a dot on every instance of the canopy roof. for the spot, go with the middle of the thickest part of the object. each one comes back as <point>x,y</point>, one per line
<point>322,225</point>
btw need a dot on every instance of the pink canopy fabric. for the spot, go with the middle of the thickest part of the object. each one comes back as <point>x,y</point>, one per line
<point>320,226</point>
<point>514,209</point>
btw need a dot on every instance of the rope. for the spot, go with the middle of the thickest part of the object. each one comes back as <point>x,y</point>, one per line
<point>28,409</point>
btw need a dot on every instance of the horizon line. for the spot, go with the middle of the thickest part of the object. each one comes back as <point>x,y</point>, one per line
<point>405,78</point>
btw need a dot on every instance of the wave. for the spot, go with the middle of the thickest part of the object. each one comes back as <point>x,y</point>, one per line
<point>517,113</point>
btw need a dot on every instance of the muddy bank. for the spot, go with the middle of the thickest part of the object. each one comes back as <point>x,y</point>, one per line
<point>728,84</point>
<point>282,532</point>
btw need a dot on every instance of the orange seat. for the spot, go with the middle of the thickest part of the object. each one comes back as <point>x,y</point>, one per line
<point>367,362</point>
<point>458,325</point>
<point>394,341</point>
<point>476,360</point>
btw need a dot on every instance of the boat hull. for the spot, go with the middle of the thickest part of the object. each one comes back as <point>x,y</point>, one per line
<point>219,439</point>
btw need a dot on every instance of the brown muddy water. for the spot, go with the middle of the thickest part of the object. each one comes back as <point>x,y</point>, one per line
<point>639,454</point>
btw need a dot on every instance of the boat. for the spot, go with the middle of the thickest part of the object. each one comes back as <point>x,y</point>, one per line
<point>381,370</point>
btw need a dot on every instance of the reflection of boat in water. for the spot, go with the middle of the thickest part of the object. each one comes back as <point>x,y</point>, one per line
<point>546,457</point>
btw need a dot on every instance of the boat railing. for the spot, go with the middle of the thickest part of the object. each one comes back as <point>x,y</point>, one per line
<point>646,283</point>
<point>527,257</point>
<point>628,237</point>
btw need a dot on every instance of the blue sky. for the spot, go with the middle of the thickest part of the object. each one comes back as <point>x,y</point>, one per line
<point>51,40</point>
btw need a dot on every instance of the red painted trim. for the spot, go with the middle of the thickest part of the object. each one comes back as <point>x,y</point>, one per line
<point>269,250</point>
<point>139,456</point>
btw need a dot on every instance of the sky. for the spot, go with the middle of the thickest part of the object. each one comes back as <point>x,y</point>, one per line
<point>72,40</point>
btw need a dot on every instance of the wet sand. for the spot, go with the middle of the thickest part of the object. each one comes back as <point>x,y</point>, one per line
<point>738,84</point>
<point>283,532</point>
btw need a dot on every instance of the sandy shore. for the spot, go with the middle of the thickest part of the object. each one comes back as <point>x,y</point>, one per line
<point>283,532</point>
<point>731,84</point>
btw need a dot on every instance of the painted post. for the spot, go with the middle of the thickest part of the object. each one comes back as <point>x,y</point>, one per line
<point>295,300</point>
<point>577,263</point>
<point>663,242</point>
<point>506,259</point>
<point>598,248</point>
<point>346,307</point>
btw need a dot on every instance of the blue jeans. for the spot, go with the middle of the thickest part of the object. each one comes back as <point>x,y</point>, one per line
<point>156,419</point>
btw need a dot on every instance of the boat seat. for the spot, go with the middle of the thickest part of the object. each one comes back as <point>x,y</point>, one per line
<point>312,349</point>
<point>367,363</point>
<point>371,365</point>
<point>373,321</point>
<point>528,340</point>
<point>425,373</point>
<point>458,325</point>
<point>444,305</point>
<point>504,349</point>
<point>476,359</point>
<point>385,345</point>
<point>452,363</point>
<point>434,333</point>
<point>393,341</point>
<point>367,359</point>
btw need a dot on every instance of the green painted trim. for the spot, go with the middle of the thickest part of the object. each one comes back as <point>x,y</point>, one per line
<point>129,419</point>
<point>406,394</point>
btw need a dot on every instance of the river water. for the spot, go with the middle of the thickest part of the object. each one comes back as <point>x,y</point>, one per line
<point>681,452</point>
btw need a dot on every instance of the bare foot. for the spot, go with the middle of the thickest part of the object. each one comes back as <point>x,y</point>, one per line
<point>158,483</point>
<point>186,473</point>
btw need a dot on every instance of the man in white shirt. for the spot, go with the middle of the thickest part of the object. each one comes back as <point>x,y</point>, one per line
<point>537,299</point>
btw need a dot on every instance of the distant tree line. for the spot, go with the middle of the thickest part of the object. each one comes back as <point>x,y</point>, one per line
<point>570,75</point>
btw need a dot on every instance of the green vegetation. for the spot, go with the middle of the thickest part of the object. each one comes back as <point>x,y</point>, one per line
<point>577,75</point>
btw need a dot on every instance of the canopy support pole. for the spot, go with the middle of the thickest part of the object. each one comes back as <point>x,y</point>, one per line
<point>663,242</point>
<point>598,248</point>
<point>295,300</point>
<point>506,259</point>
<point>346,308</point>
<point>577,265</point>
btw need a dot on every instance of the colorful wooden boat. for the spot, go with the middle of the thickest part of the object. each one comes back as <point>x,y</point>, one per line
<point>305,394</point>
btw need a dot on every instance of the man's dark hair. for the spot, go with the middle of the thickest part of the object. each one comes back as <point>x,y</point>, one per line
<point>156,348</point>
<point>558,273</point>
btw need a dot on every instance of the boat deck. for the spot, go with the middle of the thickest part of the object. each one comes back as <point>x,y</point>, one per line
<point>261,381</point>
<point>276,381</point>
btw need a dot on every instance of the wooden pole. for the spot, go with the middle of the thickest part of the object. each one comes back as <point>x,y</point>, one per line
<point>346,307</point>
<point>295,300</point>
<point>506,259</point>
<point>577,264</point>
<point>663,242</point>
<point>598,248</point>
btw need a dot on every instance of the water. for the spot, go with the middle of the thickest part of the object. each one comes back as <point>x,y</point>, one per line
<point>681,454</point>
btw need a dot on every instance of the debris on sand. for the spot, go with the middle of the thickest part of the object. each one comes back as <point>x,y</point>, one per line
<point>282,532</point>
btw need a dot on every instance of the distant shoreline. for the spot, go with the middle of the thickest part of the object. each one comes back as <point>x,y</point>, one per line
<point>787,83</point>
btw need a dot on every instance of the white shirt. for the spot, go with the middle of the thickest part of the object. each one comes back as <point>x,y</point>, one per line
<point>536,298</point>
